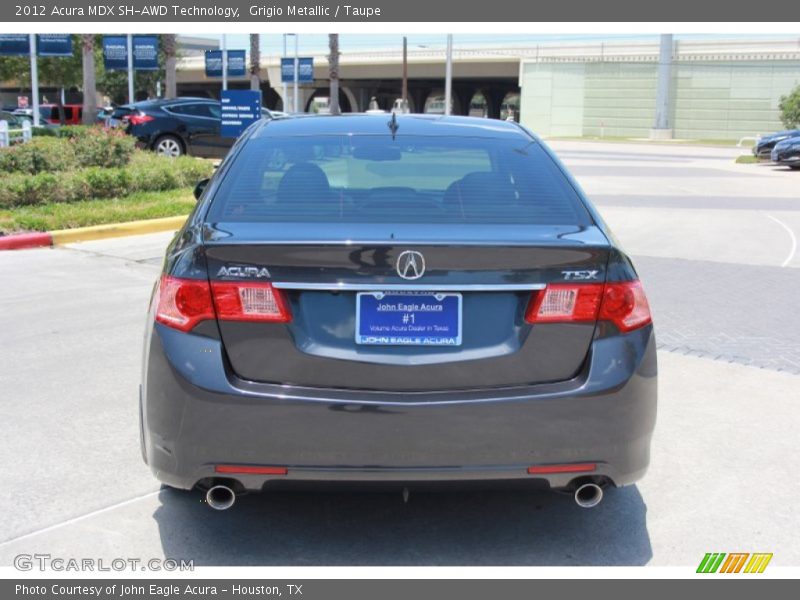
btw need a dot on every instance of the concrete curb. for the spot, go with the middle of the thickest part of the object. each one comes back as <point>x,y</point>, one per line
<point>85,234</point>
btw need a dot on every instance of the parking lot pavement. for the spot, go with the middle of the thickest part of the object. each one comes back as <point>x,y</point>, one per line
<point>72,320</point>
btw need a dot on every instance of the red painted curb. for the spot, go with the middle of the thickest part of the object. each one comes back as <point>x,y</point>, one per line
<point>25,240</point>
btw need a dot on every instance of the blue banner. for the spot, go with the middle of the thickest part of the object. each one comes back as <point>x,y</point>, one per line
<point>240,108</point>
<point>145,52</point>
<point>237,63</point>
<point>14,44</point>
<point>305,69</point>
<point>213,63</point>
<point>115,52</point>
<point>54,44</point>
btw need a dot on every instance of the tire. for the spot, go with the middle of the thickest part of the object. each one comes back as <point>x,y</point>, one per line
<point>168,145</point>
<point>794,167</point>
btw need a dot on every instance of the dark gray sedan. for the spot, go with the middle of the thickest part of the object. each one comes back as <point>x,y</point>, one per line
<point>404,301</point>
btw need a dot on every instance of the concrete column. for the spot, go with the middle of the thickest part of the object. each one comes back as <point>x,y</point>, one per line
<point>662,129</point>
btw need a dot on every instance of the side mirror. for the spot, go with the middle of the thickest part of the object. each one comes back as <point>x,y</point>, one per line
<point>200,188</point>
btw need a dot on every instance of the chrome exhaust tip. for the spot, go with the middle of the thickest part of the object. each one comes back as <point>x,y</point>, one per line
<point>588,495</point>
<point>220,497</point>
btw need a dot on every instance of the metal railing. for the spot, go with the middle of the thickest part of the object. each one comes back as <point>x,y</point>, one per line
<point>7,135</point>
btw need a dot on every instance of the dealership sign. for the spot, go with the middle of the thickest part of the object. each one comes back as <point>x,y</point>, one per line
<point>305,69</point>
<point>240,109</point>
<point>236,63</point>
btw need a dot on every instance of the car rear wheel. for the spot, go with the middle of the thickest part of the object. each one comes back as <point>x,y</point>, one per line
<point>168,145</point>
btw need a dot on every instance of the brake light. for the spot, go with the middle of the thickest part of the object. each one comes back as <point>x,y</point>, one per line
<point>250,302</point>
<point>625,304</point>
<point>139,119</point>
<point>183,303</point>
<point>622,303</point>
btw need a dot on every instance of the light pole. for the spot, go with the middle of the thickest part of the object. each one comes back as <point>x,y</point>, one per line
<point>131,99</point>
<point>34,79</point>
<point>224,62</point>
<point>448,81</point>
<point>283,81</point>
<point>405,72</point>
<point>296,72</point>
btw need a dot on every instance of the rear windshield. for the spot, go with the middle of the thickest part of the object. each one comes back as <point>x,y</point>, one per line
<point>411,179</point>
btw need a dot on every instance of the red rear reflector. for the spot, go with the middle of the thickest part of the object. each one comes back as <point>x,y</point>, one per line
<point>622,303</point>
<point>248,470</point>
<point>250,302</point>
<point>573,468</point>
<point>183,303</point>
<point>139,119</point>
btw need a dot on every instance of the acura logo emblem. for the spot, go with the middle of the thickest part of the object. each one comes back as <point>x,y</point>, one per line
<point>410,264</point>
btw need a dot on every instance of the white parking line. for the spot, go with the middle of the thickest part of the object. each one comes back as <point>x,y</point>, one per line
<point>77,519</point>
<point>791,235</point>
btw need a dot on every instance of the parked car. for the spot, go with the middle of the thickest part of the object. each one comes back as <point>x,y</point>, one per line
<point>787,153</point>
<point>72,113</point>
<point>49,114</point>
<point>399,301</point>
<point>178,126</point>
<point>764,146</point>
<point>14,121</point>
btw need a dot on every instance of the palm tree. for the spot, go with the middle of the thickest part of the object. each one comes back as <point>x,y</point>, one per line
<point>89,80</point>
<point>170,46</point>
<point>255,62</point>
<point>333,72</point>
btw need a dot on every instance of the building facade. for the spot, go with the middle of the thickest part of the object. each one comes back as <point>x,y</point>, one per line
<point>721,90</point>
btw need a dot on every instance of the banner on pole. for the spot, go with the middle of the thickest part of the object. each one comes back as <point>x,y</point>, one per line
<point>14,44</point>
<point>237,63</point>
<point>115,52</point>
<point>305,69</point>
<point>145,52</point>
<point>54,44</point>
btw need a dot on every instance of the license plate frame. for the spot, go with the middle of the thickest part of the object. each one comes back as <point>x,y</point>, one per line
<point>409,303</point>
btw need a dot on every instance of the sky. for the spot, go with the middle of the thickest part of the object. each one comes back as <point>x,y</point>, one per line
<point>272,44</point>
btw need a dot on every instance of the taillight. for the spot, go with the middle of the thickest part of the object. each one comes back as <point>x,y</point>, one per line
<point>250,302</point>
<point>564,302</point>
<point>625,304</point>
<point>622,303</point>
<point>139,119</point>
<point>183,303</point>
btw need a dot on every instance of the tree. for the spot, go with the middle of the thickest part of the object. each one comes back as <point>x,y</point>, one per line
<point>170,47</point>
<point>333,72</point>
<point>255,62</point>
<point>790,109</point>
<point>89,79</point>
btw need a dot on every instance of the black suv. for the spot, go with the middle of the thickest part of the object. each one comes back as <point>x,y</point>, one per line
<point>178,126</point>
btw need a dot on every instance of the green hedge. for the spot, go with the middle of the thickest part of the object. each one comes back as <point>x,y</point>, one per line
<point>75,147</point>
<point>37,156</point>
<point>146,172</point>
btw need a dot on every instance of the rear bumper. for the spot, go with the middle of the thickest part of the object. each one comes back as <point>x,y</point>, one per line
<point>196,414</point>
